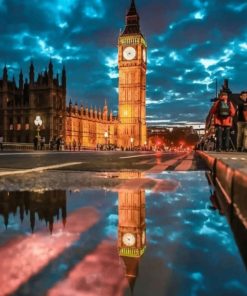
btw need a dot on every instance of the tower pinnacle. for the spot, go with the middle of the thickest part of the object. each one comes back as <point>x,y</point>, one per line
<point>132,10</point>
<point>132,21</point>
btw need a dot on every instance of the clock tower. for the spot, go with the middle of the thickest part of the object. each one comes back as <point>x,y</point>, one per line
<point>132,63</point>
<point>131,230</point>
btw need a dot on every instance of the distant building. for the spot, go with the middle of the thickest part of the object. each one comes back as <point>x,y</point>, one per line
<point>169,136</point>
<point>79,125</point>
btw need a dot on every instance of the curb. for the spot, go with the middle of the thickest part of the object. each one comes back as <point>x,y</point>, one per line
<point>230,185</point>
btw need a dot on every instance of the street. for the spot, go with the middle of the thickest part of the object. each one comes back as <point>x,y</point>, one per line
<point>96,161</point>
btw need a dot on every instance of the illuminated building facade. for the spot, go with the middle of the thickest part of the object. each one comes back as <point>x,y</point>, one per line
<point>80,126</point>
<point>132,62</point>
<point>89,127</point>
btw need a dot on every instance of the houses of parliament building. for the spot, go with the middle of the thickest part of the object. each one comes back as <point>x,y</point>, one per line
<point>45,96</point>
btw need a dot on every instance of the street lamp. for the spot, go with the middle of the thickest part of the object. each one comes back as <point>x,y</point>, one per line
<point>106,136</point>
<point>131,141</point>
<point>38,123</point>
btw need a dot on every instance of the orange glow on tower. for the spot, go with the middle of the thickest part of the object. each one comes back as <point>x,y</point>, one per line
<point>132,63</point>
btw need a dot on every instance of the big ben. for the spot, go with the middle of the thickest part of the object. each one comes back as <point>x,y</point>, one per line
<point>131,231</point>
<point>132,63</point>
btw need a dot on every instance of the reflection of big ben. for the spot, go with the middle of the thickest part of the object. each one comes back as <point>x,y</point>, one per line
<point>131,230</point>
<point>132,59</point>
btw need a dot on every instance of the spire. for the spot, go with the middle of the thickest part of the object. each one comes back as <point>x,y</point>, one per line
<point>31,73</point>
<point>32,219</point>
<point>50,71</point>
<point>131,271</point>
<point>21,80</point>
<point>70,105</point>
<point>5,73</point>
<point>6,219</point>
<point>76,107</point>
<point>51,225</point>
<point>64,77</point>
<point>13,81</point>
<point>105,111</point>
<point>132,21</point>
<point>105,107</point>
<point>132,10</point>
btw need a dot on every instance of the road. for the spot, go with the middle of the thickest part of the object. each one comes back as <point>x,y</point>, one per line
<point>99,161</point>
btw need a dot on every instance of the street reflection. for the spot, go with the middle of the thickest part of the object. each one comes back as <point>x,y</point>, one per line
<point>45,205</point>
<point>131,231</point>
<point>102,250</point>
<point>234,219</point>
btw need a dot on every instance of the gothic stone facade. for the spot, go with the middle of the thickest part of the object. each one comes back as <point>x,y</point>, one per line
<point>19,105</point>
<point>87,128</point>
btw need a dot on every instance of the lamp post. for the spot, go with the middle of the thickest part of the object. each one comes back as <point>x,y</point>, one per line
<point>106,137</point>
<point>131,142</point>
<point>145,145</point>
<point>38,123</point>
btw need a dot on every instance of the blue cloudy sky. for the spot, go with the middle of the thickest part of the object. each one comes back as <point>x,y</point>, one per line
<point>191,43</point>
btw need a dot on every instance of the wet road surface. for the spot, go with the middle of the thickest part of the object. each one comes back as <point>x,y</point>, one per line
<point>166,237</point>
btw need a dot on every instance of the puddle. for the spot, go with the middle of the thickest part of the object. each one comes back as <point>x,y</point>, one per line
<point>164,237</point>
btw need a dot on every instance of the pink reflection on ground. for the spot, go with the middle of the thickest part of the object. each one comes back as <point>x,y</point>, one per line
<point>100,273</point>
<point>185,165</point>
<point>155,185</point>
<point>24,257</point>
<point>162,166</point>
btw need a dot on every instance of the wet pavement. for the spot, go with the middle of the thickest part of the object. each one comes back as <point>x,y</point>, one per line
<point>236,160</point>
<point>156,233</point>
<point>96,161</point>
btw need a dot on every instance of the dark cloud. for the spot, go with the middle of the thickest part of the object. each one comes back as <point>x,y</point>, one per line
<point>191,43</point>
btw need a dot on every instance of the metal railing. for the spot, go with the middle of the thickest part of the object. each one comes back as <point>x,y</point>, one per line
<point>10,146</point>
<point>21,146</point>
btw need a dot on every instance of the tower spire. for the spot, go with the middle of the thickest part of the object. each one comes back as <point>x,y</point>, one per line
<point>21,80</point>
<point>31,73</point>
<point>50,70</point>
<point>64,77</point>
<point>132,10</point>
<point>5,73</point>
<point>132,20</point>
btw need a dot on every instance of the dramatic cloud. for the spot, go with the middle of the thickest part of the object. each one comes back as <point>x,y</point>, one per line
<point>191,43</point>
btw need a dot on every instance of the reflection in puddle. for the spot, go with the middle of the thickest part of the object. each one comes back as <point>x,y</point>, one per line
<point>131,230</point>
<point>45,205</point>
<point>136,240</point>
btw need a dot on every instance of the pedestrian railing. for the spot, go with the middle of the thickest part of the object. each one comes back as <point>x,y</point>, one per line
<point>22,146</point>
<point>30,147</point>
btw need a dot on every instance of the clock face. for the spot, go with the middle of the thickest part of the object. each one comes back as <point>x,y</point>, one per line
<point>143,237</point>
<point>129,53</point>
<point>144,54</point>
<point>129,239</point>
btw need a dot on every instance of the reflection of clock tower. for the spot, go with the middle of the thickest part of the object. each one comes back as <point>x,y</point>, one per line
<point>131,230</point>
<point>132,58</point>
